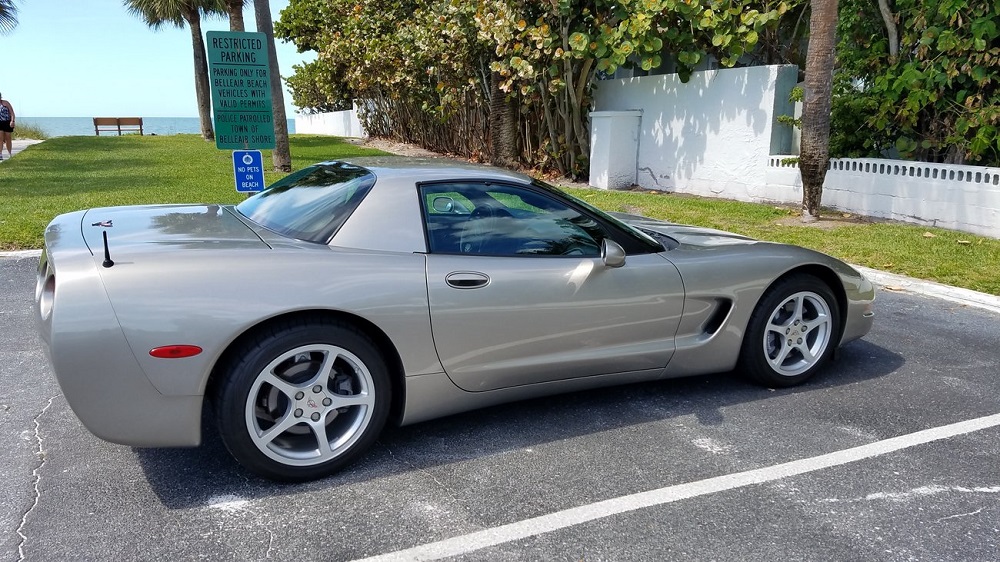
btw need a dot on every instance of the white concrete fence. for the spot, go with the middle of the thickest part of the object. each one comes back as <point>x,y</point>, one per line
<point>336,123</point>
<point>965,198</point>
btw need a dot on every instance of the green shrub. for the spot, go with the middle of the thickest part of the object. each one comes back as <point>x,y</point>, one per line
<point>29,132</point>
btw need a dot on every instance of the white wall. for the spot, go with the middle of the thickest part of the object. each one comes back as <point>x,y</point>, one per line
<point>965,198</point>
<point>718,136</point>
<point>337,123</point>
<point>711,136</point>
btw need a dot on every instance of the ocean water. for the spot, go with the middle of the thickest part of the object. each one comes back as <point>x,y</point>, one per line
<point>72,126</point>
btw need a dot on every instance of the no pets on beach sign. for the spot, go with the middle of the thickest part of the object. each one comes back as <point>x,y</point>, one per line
<point>248,167</point>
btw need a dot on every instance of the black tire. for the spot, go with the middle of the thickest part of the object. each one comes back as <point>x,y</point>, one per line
<point>792,332</point>
<point>277,401</point>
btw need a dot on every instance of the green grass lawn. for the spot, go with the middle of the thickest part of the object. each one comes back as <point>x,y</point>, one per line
<point>68,173</point>
<point>945,256</point>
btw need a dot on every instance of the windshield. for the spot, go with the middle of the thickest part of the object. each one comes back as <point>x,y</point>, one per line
<point>312,203</point>
<point>642,237</point>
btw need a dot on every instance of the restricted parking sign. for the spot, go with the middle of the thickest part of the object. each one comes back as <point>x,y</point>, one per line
<point>248,167</point>
<point>241,90</point>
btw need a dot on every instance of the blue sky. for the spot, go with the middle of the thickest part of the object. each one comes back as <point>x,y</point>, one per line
<point>86,58</point>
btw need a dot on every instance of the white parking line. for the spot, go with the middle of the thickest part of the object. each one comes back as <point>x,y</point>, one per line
<point>575,516</point>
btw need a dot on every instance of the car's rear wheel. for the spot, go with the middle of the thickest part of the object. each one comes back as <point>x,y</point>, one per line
<point>792,332</point>
<point>303,399</point>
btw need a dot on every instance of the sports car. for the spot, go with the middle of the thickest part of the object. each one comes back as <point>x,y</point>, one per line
<point>349,295</point>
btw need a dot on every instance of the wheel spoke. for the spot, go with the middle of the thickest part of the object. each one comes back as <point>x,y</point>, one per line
<point>821,321</point>
<point>340,401</point>
<point>776,328</point>
<point>780,359</point>
<point>325,369</point>
<point>322,439</point>
<point>283,386</point>
<point>286,421</point>
<point>807,353</point>
<point>799,305</point>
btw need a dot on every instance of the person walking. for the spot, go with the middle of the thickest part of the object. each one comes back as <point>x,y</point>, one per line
<point>6,127</point>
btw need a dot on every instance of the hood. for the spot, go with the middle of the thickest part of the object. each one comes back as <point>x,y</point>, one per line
<point>153,227</point>
<point>684,234</point>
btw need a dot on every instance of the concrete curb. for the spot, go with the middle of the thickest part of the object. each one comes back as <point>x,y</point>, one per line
<point>888,281</point>
<point>20,254</point>
<point>892,282</point>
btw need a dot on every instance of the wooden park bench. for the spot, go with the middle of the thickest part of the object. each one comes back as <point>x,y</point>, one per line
<point>120,124</point>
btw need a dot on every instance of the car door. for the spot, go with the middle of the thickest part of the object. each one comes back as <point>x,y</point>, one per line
<point>519,293</point>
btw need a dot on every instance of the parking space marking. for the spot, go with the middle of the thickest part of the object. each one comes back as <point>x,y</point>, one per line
<point>555,521</point>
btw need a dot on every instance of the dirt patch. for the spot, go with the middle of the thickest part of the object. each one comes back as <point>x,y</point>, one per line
<point>412,150</point>
<point>398,148</point>
<point>828,221</point>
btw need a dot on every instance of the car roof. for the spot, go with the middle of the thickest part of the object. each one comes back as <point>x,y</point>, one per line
<point>390,169</point>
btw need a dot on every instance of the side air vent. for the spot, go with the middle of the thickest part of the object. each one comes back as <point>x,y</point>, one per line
<point>722,309</point>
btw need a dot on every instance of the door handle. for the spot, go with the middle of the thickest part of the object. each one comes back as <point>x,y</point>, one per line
<point>467,279</point>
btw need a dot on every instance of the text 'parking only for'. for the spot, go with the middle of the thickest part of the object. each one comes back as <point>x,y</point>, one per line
<point>248,167</point>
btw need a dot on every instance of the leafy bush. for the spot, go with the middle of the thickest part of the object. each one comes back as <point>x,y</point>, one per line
<point>938,98</point>
<point>441,72</point>
<point>29,132</point>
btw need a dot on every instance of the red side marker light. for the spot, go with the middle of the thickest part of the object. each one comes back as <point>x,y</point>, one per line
<point>175,351</point>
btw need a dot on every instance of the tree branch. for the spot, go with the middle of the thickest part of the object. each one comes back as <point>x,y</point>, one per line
<point>890,26</point>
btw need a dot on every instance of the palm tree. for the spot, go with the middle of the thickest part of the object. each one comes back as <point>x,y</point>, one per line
<point>815,149</point>
<point>502,126</point>
<point>8,16</point>
<point>235,9</point>
<point>157,13</point>
<point>281,156</point>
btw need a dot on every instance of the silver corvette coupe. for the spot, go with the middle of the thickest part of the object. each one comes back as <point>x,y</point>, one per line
<point>351,295</point>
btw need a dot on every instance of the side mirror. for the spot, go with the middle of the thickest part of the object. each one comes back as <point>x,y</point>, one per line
<point>444,204</point>
<point>612,254</point>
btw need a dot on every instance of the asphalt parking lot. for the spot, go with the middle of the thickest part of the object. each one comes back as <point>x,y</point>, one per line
<point>891,454</point>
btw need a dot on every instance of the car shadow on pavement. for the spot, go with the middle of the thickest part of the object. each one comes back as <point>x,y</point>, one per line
<point>186,478</point>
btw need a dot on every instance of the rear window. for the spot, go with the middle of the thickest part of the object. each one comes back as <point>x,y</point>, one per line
<point>311,204</point>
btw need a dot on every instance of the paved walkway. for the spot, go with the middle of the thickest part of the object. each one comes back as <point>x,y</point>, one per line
<point>17,145</point>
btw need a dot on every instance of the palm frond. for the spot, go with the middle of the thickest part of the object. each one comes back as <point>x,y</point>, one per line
<point>157,13</point>
<point>8,16</point>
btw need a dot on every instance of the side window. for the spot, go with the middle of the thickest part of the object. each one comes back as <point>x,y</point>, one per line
<point>505,220</point>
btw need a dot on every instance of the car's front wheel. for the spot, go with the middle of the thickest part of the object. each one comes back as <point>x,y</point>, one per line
<point>792,332</point>
<point>301,400</point>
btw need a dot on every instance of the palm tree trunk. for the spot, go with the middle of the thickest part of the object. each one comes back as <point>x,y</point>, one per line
<point>201,86</point>
<point>235,9</point>
<point>281,156</point>
<point>815,150</point>
<point>502,125</point>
